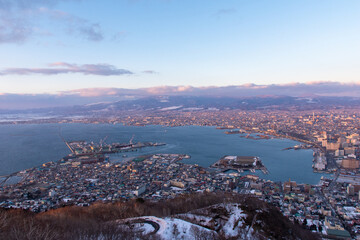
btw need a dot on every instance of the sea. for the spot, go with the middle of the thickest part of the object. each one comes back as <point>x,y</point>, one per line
<point>24,146</point>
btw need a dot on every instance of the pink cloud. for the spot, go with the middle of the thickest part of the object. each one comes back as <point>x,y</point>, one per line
<point>91,92</point>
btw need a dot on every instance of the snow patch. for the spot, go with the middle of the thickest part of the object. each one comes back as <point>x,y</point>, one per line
<point>171,108</point>
<point>236,220</point>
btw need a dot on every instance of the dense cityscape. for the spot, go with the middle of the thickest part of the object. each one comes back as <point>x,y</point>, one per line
<point>330,208</point>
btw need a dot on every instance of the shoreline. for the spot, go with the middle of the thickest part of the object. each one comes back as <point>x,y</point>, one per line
<point>158,125</point>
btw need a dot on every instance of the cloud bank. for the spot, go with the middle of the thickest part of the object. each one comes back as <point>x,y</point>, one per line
<point>62,68</point>
<point>94,95</point>
<point>310,89</point>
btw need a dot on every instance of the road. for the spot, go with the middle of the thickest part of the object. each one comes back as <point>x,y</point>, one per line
<point>155,225</point>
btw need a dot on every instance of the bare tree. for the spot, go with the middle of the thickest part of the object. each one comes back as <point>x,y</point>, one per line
<point>201,234</point>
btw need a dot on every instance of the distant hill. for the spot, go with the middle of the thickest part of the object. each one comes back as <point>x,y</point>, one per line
<point>250,96</point>
<point>195,103</point>
<point>194,216</point>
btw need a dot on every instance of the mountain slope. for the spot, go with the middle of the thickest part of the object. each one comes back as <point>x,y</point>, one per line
<point>194,216</point>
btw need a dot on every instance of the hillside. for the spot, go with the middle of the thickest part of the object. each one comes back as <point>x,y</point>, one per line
<point>194,216</point>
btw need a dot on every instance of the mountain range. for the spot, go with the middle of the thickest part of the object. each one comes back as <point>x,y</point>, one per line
<point>245,97</point>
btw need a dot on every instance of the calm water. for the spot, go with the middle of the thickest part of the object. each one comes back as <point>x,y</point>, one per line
<point>26,146</point>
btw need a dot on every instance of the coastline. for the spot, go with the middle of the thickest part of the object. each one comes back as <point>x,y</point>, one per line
<point>224,147</point>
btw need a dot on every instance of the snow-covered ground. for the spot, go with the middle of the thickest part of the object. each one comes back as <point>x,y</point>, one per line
<point>201,220</point>
<point>180,229</point>
<point>171,108</point>
<point>235,221</point>
<point>229,221</point>
<point>169,228</point>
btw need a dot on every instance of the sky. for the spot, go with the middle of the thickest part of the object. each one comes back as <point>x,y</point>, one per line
<point>51,46</point>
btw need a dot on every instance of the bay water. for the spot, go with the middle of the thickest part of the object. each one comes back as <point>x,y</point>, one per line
<point>28,145</point>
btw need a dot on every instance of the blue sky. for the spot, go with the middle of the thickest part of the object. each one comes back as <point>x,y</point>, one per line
<point>49,46</point>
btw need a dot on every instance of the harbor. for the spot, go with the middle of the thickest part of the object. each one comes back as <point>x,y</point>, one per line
<point>85,153</point>
<point>299,147</point>
<point>205,145</point>
<point>247,134</point>
<point>240,164</point>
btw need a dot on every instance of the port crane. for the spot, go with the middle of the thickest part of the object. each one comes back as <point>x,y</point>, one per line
<point>102,141</point>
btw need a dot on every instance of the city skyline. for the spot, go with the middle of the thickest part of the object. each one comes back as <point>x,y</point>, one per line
<point>61,46</point>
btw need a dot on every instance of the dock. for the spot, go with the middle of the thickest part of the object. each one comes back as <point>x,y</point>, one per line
<point>85,153</point>
<point>240,163</point>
